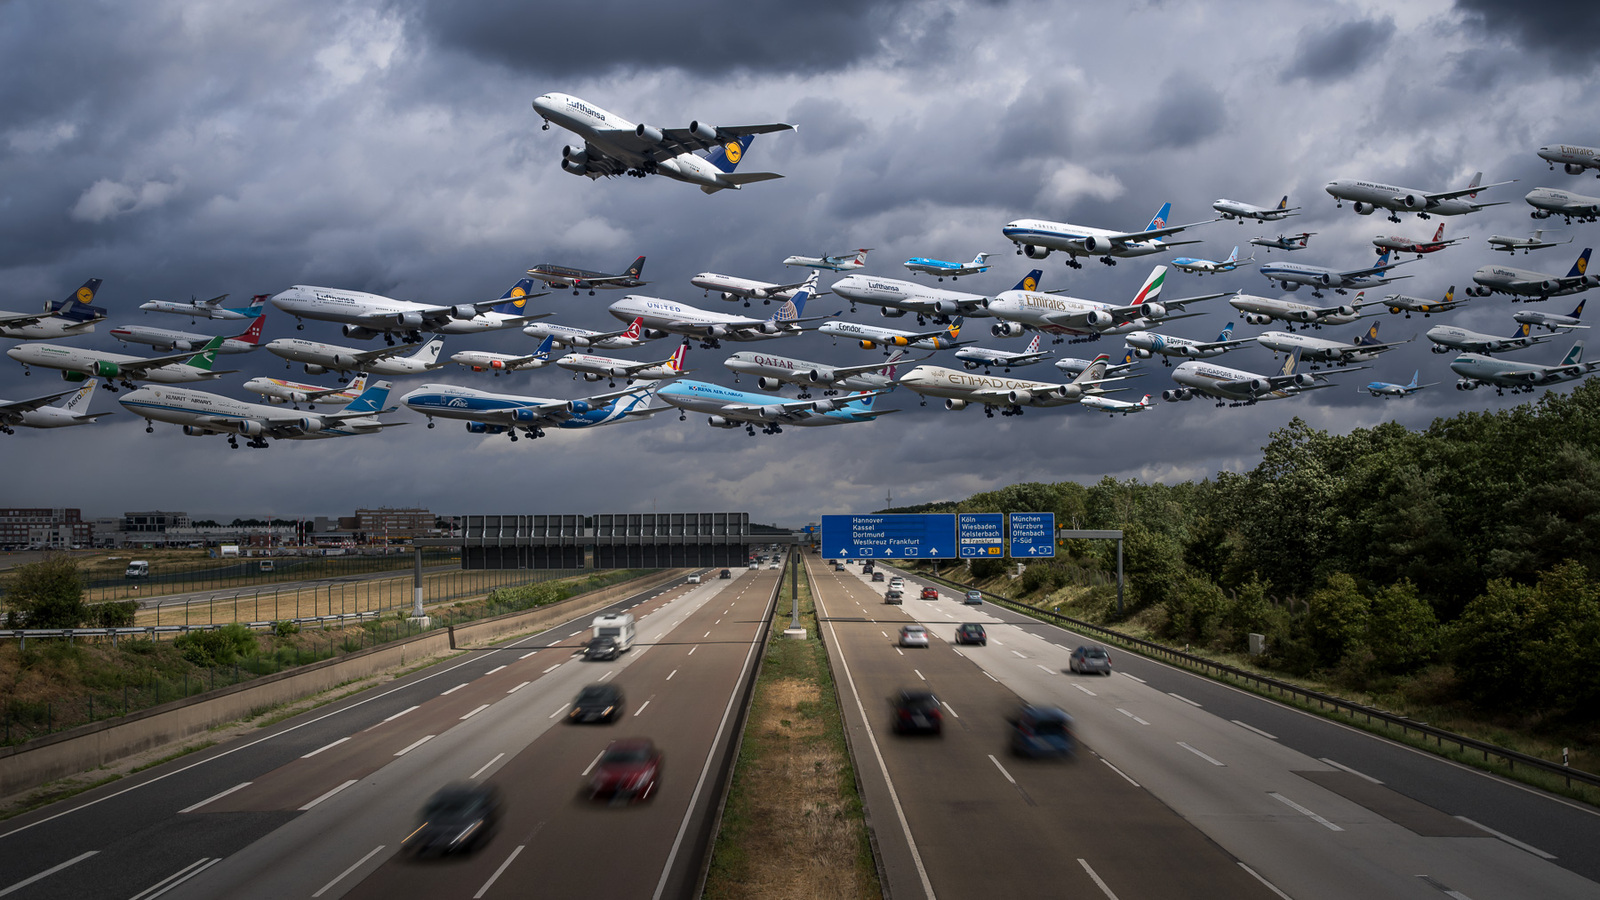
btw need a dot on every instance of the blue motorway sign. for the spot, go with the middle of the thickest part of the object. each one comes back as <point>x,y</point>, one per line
<point>981,535</point>
<point>1033,535</point>
<point>889,537</point>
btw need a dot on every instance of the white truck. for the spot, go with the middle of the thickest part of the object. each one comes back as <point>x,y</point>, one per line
<point>137,569</point>
<point>617,627</point>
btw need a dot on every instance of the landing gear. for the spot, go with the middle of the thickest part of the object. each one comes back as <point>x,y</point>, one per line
<point>233,442</point>
<point>148,428</point>
<point>683,417</point>
<point>299,325</point>
<point>388,339</point>
<point>750,430</point>
<point>545,126</point>
<point>258,443</point>
<point>1108,260</point>
<point>1073,263</point>
<point>430,423</point>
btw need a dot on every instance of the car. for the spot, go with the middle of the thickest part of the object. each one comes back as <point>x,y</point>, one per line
<point>973,598</point>
<point>596,703</point>
<point>838,567</point>
<point>693,579</point>
<point>930,593</point>
<point>627,772</point>
<point>897,583</point>
<point>913,636</point>
<point>725,573</point>
<point>774,565</point>
<point>1090,659</point>
<point>602,648</point>
<point>1041,732</point>
<point>460,818</point>
<point>971,633</point>
<point>755,565</point>
<point>877,576</point>
<point>916,711</point>
<point>893,596</point>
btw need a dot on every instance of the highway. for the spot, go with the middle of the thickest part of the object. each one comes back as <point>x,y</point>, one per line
<point>1183,787</point>
<point>318,805</point>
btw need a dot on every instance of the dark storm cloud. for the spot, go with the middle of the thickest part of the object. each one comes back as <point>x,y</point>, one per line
<point>1547,29</point>
<point>1189,110</point>
<point>1330,53</point>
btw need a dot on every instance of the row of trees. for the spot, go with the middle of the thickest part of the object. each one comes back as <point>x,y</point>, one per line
<point>49,594</point>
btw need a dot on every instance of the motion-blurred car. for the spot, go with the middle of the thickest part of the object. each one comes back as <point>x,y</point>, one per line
<point>458,819</point>
<point>897,583</point>
<point>877,576</point>
<point>916,711</point>
<point>930,593</point>
<point>597,703</point>
<point>1090,659</point>
<point>725,573</point>
<point>892,596</point>
<point>1042,731</point>
<point>627,772</point>
<point>601,648</point>
<point>693,579</point>
<point>913,636</point>
<point>974,598</point>
<point>838,567</point>
<point>971,633</point>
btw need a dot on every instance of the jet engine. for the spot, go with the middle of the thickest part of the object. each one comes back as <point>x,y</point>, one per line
<point>1257,319</point>
<point>1466,384</point>
<point>1591,279</point>
<point>948,308</point>
<point>464,311</point>
<point>578,156</point>
<point>769,327</point>
<point>760,294</point>
<point>717,331</point>
<point>1551,285</point>
<point>953,403</point>
<point>768,384</point>
<point>720,422</point>
<point>1069,392</point>
<point>771,411</point>
<point>1364,209</point>
<point>654,334</point>
<point>1440,348</point>
<point>576,168</point>
<point>1146,354</point>
<point>1573,169</point>
<point>729,296</point>
<point>1034,252</point>
<point>890,312</point>
<point>1260,385</point>
<point>703,131</point>
<point>1006,329</point>
<point>578,407</point>
<point>485,428</point>
<point>868,345</point>
<point>1413,201</point>
<point>106,369</point>
<point>1347,311</point>
<point>1020,398</point>
<point>310,425</point>
<point>649,133</point>
<point>821,376</point>
<point>827,405</point>
<point>1328,279</point>
<point>196,431</point>
<point>359,333</point>
<point>1100,319</point>
<point>1540,214</point>
<point>1098,245</point>
<point>314,369</point>
<point>1152,310</point>
<point>250,428</point>
<point>592,376</point>
<point>407,320</point>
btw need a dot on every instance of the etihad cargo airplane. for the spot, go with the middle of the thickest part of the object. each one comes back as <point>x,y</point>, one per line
<point>1535,241</point>
<point>1236,387</point>
<point>36,414</point>
<point>663,317</point>
<point>1547,202</point>
<point>973,357</point>
<point>78,364</point>
<point>167,339</point>
<point>317,357</point>
<point>365,315</point>
<point>1009,395</point>
<point>579,279</point>
<point>277,390</point>
<point>728,408</point>
<point>1399,244</point>
<point>202,413</point>
<point>1536,285</point>
<point>1021,311</point>
<point>1146,344</point>
<point>1235,209</point>
<point>208,309</point>
<point>1036,238</point>
<point>1366,196</point>
<point>1290,276</point>
<point>773,372</point>
<point>1572,158</point>
<point>1477,370</point>
<point>841,263</point>
<point>1314,349</point>
<point>58,319</point>
<point>943,268</point>
<point>489,413</point>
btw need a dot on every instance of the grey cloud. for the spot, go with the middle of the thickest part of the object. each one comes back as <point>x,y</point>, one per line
<point>1545,29</point>
<point>1190,110</point>
<point>1332,53</point>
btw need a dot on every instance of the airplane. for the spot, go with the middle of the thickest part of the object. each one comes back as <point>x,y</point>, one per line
<point>1235,387</point>
<point>894,298</point>
<point>1239,211</point>
<point>365,315</point>
<point>1402,303</point>
<point>663,317</point>
<point>1284,241</point>
<point>942,267</point>
<point>1023,310</point>
<point>1146,344</point>
<point>1477,370</point>
<point>773,372</point>
<point>1389,389</point>
<point>1315,349</point>
<point>208,309</point>
<point>201,413</point>
<point>1513,244</point>
<point>1035,238</point>
<point>317,358</point>
<point>840,263</point>
<point>484,361</point>
<point>1537,285</point>
<point>961,389</point>
<point>1446,338</point>
<point>1261,310</point>
<point>78,364</point>
<point>973,357</point>
<point>1211,266</point>
<point>1114,406</point>
<point>871,337</point>
<point>1292,275</point>
<point>733,288</point>
<point>277,390</point>
<point>1547,202</point>
<point>594,368</point>
<point>1551,321</point>
<point>577,279</point>
<point>1573,159</point>
<point>166,339</point>
<point>1072,367</point>
<point>1366,196</point>
<point>1398,244</point>
<point>60,318</point>
<point>564,336</point>
<point>728,408</point>
<point>614,146</point>
<point>35,414</point>
<point>487,413</point>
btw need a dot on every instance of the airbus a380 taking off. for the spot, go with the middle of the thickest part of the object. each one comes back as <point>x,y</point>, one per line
<point>1573,159</point>
<point>1547,202</point>
<point>614,146</point>
<point>1235,387</point>
<point>1366,196</point>
<point>1035,238</point>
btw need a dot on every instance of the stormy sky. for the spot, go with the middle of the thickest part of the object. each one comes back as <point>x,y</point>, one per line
<point>191,149</point>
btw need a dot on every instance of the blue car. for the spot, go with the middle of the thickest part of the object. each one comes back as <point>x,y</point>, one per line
<point>1042,731</point>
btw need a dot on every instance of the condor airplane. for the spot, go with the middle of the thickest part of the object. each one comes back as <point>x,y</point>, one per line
<point>871,337</point>
<point>366,315</point>
<point>1398,303</point>
<point>35,414</point>
<point>1035,238</point>
<point>1366,196</point>
<point>201,413</point>
<point>62,318</point>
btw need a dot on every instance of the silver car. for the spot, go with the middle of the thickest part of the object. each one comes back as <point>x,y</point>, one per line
<point>1090,659</point>
<point>913,636</point>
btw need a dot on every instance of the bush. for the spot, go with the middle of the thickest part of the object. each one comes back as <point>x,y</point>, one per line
<point>219,647</point>
<point>985,569</point>
<point>46,594</point>
<point>115,615</point>
<point>285,628</point>
<point>1195,611</point>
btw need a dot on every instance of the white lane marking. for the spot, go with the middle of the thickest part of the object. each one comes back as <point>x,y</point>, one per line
<point>399,714</point>
<point>1208,759</point>
<point>990,677</point>
<point>1103,888</point>
<point>327,795</point>
<point>494,670</point>
<point>996,642</point>
<point>717,622</point>
<point>449,692</point>
<point>497,758</point>
<point>54,869</point>
<point>560,710</point>
<point>899,651</point>
<point>495,877</point>
<point>356,865</point>
<point>1185,699</point>
<point>552,669</point>
<point>590,767</point>
<point>950,708</point>
<point>575,634</point>
<point>423,740</point>
<point>177,878</point>
<point>1269,885</point>
<point>706,635</point>
<point>325,747</point>
<point>608,674</point>
<point>1046,668</point>
<point>1136,678</point>
<point>1508,839</point>
<point>1018,655</point>
<point>1270,737</point>
<point>1350,770</point>
<point>692,650</point>
<point>474,712</point>
<point>641,707</point>
<point>1086,690</point>
<point>958,653</point>
<point>1444,888</point>
<point>673,672</point>
<point>1302,810</point>
<point>528,654</point>
<point>1002,769</point>
<point>1119,772</point>
<point>884,633</point>
<point>238,787</point>
<point>920,675</point>
<point>557,643</point>
<point>1132,716</point>
<point>519,687</point>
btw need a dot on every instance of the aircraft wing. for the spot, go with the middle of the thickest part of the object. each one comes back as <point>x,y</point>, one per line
<point>1223,345</point>
<point>873,367</point>
<point>1133,311</point>
<point>10,407</point>
<point>24,318</point>
<point>1451,195</point>
<point>1367,348</point>
<point>600,163</point>
<point>367,356</point>
<point>681,140</point>
<point>1132,236</point>
<point>1373,270</point>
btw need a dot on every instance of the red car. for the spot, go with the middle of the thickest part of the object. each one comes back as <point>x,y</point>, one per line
<point>930,593</point>
<point>627,771</point>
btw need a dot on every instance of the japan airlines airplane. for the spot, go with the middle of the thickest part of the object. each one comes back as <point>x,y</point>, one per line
<point>1146,344</point>
<point>1235,387</point>
<point>1447,338</point>
<point>1284,241</point>
<point>1573,159</point>
<point>317,357</point>
<point>871,337</point>
<point>1211,266</point>
<point>277,390</point>
<point>1398,303</point>
<point>208,309</point>
<point>973,357</point>
<point>1385,243</point>
<point>366,315</point>
<point>773,372</point>
<point>841,263</point>
<point>167,339</point>
<point>961,389</point>
<point>77,364</point>
<point>1314,349</point>
<point>1389,389</point>
<point>1022,310</point>
<point>942,267</point>
<point>1261,310</point>
<point>728,408</point>
<point>35,414</point>
<point>594,368</point>
<point>1035,238</point>
<point>1551,321</point>
<point>732,288</point>
<point>1115,407</point>
<point>1513,244</point>
<point>1366,196</point>
<point>1524,283</point>
<point>61,318</point>
<point>1477,370</point>
<point>894,298</point>
<point>487,413</point>
<point>1234,209</point>
<point>564,336</point>
<point>614,146</point>
<point>1547,202</point>
<point>1290,276</point>
<point>663,317</point>
<point>484,361</point>
<point>578,279</point>
<point>201,414</point>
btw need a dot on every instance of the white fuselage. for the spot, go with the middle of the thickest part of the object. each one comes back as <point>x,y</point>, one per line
<point>319,357</point>
<point>734,288</point>
<point>1526,283</point>
<point>278,390</point>
<point>376,313</point>
<point>1225,383</point>
<point>990,390</point>
<point>1479,368</point>
<point>1550,321</point>
<point>99,363</point>
<point>1370,195</point>
<point>772,370</point>
<point>167,340</point>
<point>871,336</point>
<point>1114,406</point>
<point>986,357</point>
<point>1264,308</point>
<point>1402,303</point>
<point>831,263</point>
<point>908,296</point>
<point>484,361</point>
<point>1547,202</point>
<point>195,310</point>
<point>1315,349</point>
<point>1448,337</point>
<point>564,336</point>
<point>1078,240</point>
<point>1573,158</point>
<point>201,413</point>
<point>1290,276</point>
<point>50,327</point>
<point>1234,209</point>
<point>597,126</point>
<point>594,368</point>
<point>1035,310</point>
<point>1151,342</point>
<point>678,318</point>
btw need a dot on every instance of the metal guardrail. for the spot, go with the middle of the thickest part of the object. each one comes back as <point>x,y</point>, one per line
<point>152,630</point>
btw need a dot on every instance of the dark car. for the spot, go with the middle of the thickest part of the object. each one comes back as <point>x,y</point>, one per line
<point>892,596</point>
<point>838,567</point>
<point>725,573</point>
<point>1090,659</point>
<point>627,772</point>
<point>459,819</point>
<point>1042,731</point>
<point>930,593</point>
<point>596,703</point>
<point>877,576</point>
<point>916,712</point>
<point>971,633</point>
<point>601,648</point>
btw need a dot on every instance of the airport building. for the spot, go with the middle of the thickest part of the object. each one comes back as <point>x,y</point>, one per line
<point>44,528</point>
<point>385,523</point>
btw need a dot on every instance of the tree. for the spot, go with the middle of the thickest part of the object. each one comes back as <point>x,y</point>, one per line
<point>1336,619</point>
<point>46,594</point>
<point>1401,629</point>
<point>1532,647</point>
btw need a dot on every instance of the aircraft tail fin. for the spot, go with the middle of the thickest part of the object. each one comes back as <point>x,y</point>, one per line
<point>674,363</point>
<point>78,404</point>
<point>1439,235</point>
<point>370,400</point>
<point>1577,311</point>
<point>1383,261</point>
<point>1476,180</point>
<point>1371,337</point>
<point>1095,370</point>
<point>1128,358</point>
<point>1030,281</point>
<point>1575,355</point>
<point>792,308</point>
<point>1227,332</point>
<point>1290,362</point>
<point>633,329</point>
<point>253,309</point>
<point>515,298</point>
<point>1233,256</point>
<point>429,352</point>
<point>207,357</point>
<point>1145,400</point>
<point>1450,294</point>
<point>1414,376</point>
<point>1523,330</point>
<point>80,305</point>
<point>953,332</point>
<point>357,384</point>
<point>1152,286</point>
<point>252,335</point>
<point>1033,345</point>
<point>1284,203</point>
<point>727,156</point>
<point>1160,220</point>
<point>542,352</point>
<point>978,260</point>
<point>1582,265</point>
<point>635,270</point>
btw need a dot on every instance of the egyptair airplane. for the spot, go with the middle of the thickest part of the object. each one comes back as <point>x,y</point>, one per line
<point>1234,209</point>
<point>842,262</point>
<point>1513,244</point>
<point>35,413</point>
<point>1366,196</point>
<point>1477,370</point>
<point>1036,238</point>
<point>1524,283</point>
<point>1398,303</point>
<point>1288,242</point>
<point>943,268</point>
<point>62,318</point>
<point>614,146</point>
<point>1547,202</point>
<point>578,279</point>
<point>1573,159</point>
<point>1390,389</point>
<point>1399,244</point>
<point>201,413</point>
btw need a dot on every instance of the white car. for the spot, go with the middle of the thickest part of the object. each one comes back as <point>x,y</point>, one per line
<point>694,579</point>
<point>913,636</point>
<point>897,583</point>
